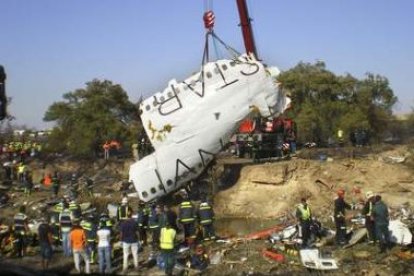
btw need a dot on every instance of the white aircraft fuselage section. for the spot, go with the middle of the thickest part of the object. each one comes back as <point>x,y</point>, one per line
<point>189,122</point>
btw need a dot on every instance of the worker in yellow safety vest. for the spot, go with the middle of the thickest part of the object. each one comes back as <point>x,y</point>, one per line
<point>304,216</point>
<point>206,219</point>
<point>186,217</point>
<point>124,210</point>
<point>21,168</point>
<point>88,224</point>
<point>167,244</point>
<point>340,136</point>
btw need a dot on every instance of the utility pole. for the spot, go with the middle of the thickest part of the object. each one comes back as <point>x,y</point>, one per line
<point>3,98</point>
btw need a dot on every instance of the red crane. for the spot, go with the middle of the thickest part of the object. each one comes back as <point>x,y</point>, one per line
<point>246,28</point>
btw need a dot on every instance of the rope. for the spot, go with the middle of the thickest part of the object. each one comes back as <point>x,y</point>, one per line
<point>208,5</point>
<point>216,50</point>
<point>231,50</point>
<point>208,18</point>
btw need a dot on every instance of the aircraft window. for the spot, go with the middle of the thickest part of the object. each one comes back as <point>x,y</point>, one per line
<point>232,63</point>
<point>154,103</point>
<point>209,75</point>
<point>224,66</point>
<point>169,182</point>
<point>144,194</point>
<point>177,90</point>
<point>161,187</point>
<point>216,70</point>
<point>170,94</point>
<point>193,82</point>
<point>148,107</point>
<point>185,87</point>
<point>162,98</point>
<point>153,190</point>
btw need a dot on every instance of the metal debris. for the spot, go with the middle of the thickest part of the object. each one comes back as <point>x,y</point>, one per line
<point>312,259</point>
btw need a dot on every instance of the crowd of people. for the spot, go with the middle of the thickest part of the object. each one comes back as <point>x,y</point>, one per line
<point>374,210</point>
<point>264,138</point>
<point>17,150</point>
<point>89,238</point>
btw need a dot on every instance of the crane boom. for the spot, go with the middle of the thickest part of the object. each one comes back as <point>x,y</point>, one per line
<point>246,27</point>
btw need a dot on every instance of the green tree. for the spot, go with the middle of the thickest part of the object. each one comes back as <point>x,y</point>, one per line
<point>324,102</point>
<point>89,116</point>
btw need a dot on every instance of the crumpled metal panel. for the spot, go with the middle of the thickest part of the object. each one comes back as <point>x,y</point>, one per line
<point>189,121</point>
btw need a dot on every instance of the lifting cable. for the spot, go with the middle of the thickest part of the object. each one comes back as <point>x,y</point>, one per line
<point>209,20</point>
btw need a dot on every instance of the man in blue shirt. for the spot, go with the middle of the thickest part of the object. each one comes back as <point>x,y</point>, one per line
<point>129,237</point>
<point>45,242</point>
<point>381,217</point>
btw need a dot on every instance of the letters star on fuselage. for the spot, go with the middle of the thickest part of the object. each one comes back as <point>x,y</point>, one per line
<point>190,121</point>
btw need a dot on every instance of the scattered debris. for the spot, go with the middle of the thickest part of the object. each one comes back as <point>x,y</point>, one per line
<point>399,232</point>
<point>312,259</point>
<point>405,255</point>
<point>357,236</point>
<point>394,159</point>
<point>216,258</point>
<point>358,220</point>
<point>33,226</point>
<point>278,257</point>
<point>4,187</point>
<point>112,210</point>
<point>264,234</point>
<point>85,205</point>
<point>285,234</point>
<point>267,182</point>
<point>363,254</point>
<point>324,183</point>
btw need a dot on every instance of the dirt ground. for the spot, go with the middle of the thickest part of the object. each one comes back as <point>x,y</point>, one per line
<point>263,195</point>
<point>269,190</point>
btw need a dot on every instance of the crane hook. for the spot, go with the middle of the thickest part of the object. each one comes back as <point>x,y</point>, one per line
<point>208,19</point>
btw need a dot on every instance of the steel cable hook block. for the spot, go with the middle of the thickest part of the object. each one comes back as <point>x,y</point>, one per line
<point>208,19</point>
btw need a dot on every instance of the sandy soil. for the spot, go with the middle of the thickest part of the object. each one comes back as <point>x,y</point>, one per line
<point>271,189</point>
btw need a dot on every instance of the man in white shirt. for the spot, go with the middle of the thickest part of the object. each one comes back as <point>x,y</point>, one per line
<point>104,248</point>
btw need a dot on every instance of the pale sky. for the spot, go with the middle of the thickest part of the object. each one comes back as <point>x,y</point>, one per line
<point>50,47</point>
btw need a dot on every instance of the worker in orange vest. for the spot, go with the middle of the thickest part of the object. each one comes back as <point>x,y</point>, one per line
<point>47,180</point>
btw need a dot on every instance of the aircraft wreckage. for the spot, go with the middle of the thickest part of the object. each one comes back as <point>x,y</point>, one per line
<point>190,121</point>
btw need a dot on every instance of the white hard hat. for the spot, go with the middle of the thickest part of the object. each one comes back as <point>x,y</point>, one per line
<point>369,194</point>
<point>124,200</point>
